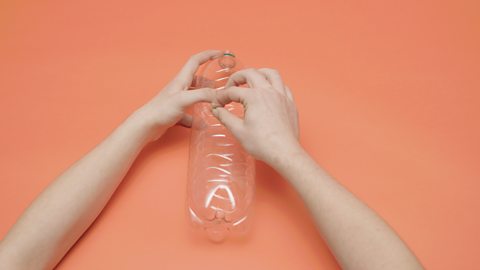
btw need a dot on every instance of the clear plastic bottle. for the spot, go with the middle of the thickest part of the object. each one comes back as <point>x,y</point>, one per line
<point>221,174</point>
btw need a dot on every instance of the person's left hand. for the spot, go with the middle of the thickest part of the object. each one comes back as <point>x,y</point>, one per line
<point>167,107</point>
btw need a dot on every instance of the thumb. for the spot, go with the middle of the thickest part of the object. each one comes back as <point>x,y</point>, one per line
<point>193,96</point>
<point>229,120</point>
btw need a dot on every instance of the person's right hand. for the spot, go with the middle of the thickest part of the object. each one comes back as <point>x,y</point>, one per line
<point>269,129</point>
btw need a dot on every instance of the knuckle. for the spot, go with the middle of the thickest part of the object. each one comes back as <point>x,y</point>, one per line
<point>270,71</point>
<point>235,74</point>
<point>274,71</point>
<point>249,70</point>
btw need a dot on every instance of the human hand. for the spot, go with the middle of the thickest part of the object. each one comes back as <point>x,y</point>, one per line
<point>167,107</point>
<point>269,129</point>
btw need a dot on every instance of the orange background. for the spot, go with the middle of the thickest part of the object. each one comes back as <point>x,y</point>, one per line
<point>389,102</point>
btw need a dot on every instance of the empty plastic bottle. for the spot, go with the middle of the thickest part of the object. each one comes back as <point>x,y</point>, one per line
<point>221,176</point>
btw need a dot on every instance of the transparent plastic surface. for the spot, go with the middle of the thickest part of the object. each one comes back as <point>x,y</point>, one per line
<point>221,176</point>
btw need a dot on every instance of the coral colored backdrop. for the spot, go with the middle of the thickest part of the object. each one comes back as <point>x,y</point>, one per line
<point>389,101</point>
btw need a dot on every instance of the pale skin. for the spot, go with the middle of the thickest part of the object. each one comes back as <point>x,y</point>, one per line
<point>54,221</point>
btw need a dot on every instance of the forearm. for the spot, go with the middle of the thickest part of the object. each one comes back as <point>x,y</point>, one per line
<point>67,207</point>
<point>357,236</point>
<point>60,215</point>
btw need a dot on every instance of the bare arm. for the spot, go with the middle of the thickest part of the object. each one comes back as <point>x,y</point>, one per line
<point>66,208</point>
<point>358,237</point>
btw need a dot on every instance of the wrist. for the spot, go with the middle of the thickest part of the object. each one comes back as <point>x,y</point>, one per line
<point>281,155</point>
<point>291,165</point>
<point>144,123</point>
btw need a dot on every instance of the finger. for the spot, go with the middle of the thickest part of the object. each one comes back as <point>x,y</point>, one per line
<point>237,94</point>
<point>186,121</point>
<point>288,92</point>
<point>249,76</point>
<point>229,120</point>
<point>274,78</point>
<point>193,96</point>
<point>185,76</point>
